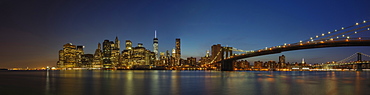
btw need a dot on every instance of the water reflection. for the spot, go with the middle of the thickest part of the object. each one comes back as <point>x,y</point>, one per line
<point>134,82</point>
<point>47,84</point>
<point>205,82</point>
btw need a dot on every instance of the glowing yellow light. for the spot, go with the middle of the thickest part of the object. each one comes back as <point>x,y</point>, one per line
<point>322,34</point>
<point>356,23</point>
<point>317,36</point>
<point>329,32</point>
<point>342,28</point>
<point>364,21</point>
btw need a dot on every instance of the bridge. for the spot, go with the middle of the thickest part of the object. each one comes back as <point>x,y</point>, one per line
<point>358,64</point>
<point>337,38</point>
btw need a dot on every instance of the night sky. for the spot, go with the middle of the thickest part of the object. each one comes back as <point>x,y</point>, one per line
<point>33,31</point>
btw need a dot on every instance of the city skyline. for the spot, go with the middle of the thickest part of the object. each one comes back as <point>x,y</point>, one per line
<point>36,30</point>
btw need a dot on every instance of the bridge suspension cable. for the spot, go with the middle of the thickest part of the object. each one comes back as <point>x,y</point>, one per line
<point>325,36</point>
<point>365,54</point>
<point>353,56</point>
<point>368,29</point>
<point>337,35</point>
<point>348,58</point>
<point>216,56</point>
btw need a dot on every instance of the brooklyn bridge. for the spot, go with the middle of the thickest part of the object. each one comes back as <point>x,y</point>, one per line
<point>337,38</point>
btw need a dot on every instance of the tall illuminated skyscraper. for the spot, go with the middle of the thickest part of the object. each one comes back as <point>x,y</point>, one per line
<point>155,45</point>
<point>111,52</point>
<point>115,52</point>
<point>178,52</point>
<point>107,54</point>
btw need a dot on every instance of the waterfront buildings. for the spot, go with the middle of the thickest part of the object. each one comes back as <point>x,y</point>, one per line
<point>191,61</point>
<point>108,56</point>
<point>138,55</point>
<point>204,61</point>
<point>70,56</point>
<point>242,64</point>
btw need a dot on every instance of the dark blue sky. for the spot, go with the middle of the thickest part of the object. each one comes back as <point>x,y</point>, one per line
<point>32,31</point>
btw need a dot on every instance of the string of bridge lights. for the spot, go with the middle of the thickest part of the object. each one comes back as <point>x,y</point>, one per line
<point>312,39</point>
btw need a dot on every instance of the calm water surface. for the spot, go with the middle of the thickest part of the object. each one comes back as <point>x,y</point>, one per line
<point>139,82</point>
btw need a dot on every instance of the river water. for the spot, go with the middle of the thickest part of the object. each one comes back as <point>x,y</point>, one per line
<point>167,82</point>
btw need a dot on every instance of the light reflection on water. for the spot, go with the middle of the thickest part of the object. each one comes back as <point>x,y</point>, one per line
<point>157,82</point>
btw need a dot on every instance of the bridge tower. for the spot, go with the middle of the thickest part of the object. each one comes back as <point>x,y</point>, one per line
<point>227,65</point>
<point>359,59</point>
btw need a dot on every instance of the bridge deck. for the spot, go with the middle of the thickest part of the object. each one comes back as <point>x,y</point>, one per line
<point>300,46</point>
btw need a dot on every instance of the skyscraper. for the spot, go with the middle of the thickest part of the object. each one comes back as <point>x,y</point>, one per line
<point>282,61</point>
<point>97,63</point>
<point>79,53</point>
<point>216,52</point>
<point>107,53</point>
<point>178,51</point>
<point>111,52</point>
<point>70,56</point>
<point>155,45</point>
<point>116,52</point>
<point>127,54</point>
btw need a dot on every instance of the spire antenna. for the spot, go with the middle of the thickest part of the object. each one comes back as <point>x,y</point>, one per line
<point>155,33</point>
